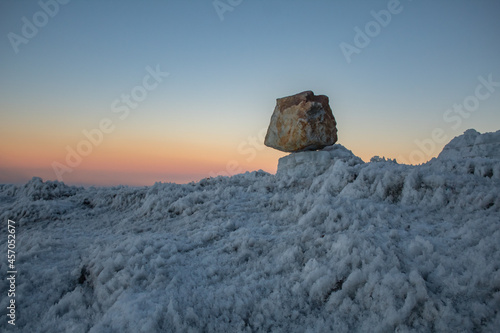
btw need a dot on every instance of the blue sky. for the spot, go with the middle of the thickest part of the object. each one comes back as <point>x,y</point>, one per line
<point>224,77</point>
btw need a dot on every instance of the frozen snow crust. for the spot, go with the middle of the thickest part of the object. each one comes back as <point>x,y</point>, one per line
<point>473,144</point>
<point>347,246</point>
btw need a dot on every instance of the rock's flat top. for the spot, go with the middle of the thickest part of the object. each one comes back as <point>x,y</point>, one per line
<point>302,122</point>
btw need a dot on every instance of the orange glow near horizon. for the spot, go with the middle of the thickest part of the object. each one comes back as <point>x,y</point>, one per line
<point>128,161</point>
<point>144,158</point>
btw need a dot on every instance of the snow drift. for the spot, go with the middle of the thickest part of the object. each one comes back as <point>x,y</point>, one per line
<point>329,243</point>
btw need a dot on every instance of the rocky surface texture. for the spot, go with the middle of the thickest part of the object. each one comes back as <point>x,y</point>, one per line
<point>302,122</point>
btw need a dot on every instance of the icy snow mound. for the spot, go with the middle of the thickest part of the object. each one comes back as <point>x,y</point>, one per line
<point>473,144</point>
<point>471,153</point>
<point>329,244</point>
<point>312,163</point>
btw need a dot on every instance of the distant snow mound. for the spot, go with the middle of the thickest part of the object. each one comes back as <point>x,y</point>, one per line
<point>473,144</point>
<point>36,189</point>
<point>312,163</point>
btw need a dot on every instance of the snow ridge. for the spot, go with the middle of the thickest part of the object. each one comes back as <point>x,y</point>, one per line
<point>328,244</point>
<point>473,144</point>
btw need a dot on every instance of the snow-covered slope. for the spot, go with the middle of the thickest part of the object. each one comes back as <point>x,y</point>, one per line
<point>329,244</point>
<point>472,144</point>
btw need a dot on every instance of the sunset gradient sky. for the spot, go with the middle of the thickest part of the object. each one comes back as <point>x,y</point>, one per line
<point>418,78</point>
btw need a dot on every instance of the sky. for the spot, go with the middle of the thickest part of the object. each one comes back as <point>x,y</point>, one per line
<point>137,92</point>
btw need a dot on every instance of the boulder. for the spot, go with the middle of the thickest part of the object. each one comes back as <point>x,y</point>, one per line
<point>301,122</point>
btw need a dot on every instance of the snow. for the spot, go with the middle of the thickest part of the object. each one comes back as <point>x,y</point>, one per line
<point>327,244</point>
<point>473,144</point>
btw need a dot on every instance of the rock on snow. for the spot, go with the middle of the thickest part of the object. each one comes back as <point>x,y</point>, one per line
<point>301,122</point>
<point>329,244</point>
